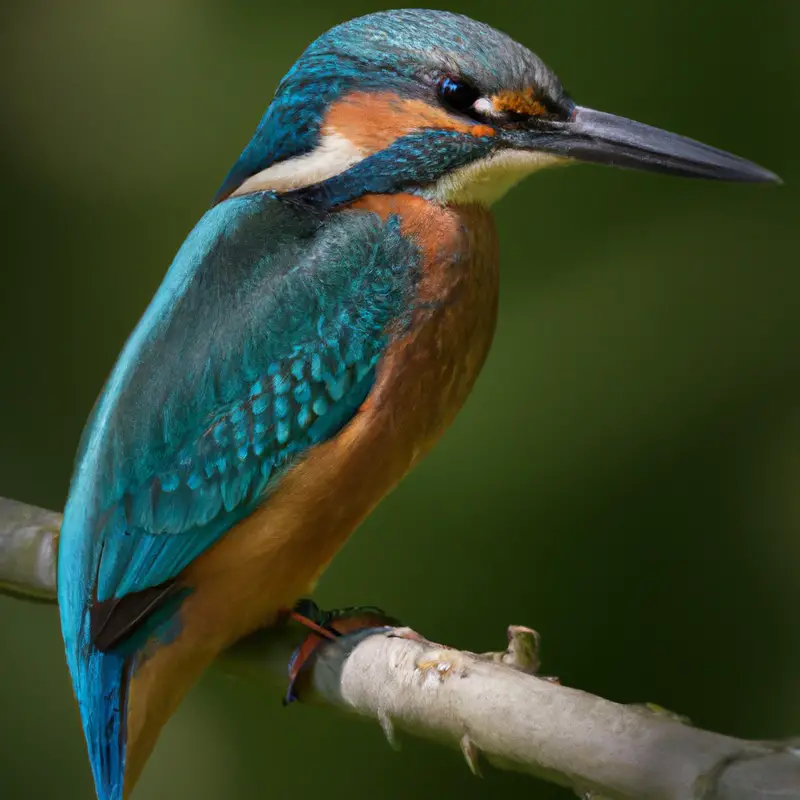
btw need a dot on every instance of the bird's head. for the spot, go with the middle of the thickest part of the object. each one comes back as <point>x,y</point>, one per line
<point>436,103</point>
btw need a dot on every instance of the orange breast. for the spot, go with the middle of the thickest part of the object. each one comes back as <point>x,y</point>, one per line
<point>275,555</point>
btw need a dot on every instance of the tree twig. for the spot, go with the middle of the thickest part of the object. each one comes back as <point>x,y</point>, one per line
<point>28,545</point>
<point>491,706</point>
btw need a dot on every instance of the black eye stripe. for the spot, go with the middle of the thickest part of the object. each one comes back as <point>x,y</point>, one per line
<point>457,94</point>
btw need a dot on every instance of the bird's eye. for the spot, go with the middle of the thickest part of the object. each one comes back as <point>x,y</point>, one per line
<point>457,94</point>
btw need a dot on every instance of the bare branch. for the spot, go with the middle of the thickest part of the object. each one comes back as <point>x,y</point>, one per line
<point>490,706</point>
<point>28,544</point>
<point>513,720</point>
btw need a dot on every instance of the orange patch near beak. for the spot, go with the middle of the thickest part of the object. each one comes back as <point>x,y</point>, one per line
<point>524,102</point>
<point>374,120</point>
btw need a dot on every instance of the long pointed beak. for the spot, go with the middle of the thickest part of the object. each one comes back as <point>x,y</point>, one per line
<point>600,138</point>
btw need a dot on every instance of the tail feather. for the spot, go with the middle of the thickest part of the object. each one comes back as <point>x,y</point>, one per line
<point>101,689</point>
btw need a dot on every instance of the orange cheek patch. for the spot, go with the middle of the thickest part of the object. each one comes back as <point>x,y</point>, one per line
<point>524,102</point>
<point>374,120</point>
<point>481,130</point>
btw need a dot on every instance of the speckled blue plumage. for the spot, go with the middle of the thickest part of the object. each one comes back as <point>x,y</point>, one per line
<point>261,342</point>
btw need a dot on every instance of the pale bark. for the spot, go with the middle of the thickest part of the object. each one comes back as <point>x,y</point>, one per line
<point>491,706</point>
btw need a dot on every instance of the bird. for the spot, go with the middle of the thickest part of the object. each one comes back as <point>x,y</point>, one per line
<point>316,333</point>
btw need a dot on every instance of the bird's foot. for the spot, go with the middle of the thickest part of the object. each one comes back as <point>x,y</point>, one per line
<point>326,626</point>
<point>308,614</point>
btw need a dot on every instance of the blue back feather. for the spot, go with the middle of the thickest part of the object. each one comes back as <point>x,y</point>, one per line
<point>261,342</point>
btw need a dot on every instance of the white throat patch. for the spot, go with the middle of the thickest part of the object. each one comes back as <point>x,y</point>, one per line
<point>485,181</point>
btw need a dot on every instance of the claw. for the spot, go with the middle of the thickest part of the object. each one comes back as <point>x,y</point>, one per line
<point>326,626</point>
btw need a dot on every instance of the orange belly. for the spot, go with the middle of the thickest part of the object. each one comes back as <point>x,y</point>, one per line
<point>275,556</point>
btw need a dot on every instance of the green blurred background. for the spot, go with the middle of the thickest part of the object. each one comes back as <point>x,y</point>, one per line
<point>624,478</point>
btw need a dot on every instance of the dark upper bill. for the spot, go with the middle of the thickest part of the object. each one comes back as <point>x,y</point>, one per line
<point>601,138</point>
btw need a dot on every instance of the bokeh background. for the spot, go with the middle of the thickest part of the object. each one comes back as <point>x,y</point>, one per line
<point>625,477</point>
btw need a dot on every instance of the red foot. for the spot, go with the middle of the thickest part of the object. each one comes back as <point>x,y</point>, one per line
<point>326,626</point>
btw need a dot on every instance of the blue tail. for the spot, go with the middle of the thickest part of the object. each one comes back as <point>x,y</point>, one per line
<point>101,686</point>
<point>100,679</point>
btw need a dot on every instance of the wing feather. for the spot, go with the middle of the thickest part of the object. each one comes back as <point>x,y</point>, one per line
<point>262,342</point>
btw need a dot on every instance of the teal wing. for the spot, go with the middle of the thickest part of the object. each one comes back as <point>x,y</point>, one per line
<point>262,342</point>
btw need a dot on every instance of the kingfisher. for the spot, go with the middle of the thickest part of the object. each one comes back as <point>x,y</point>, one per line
<point>316,333</point>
